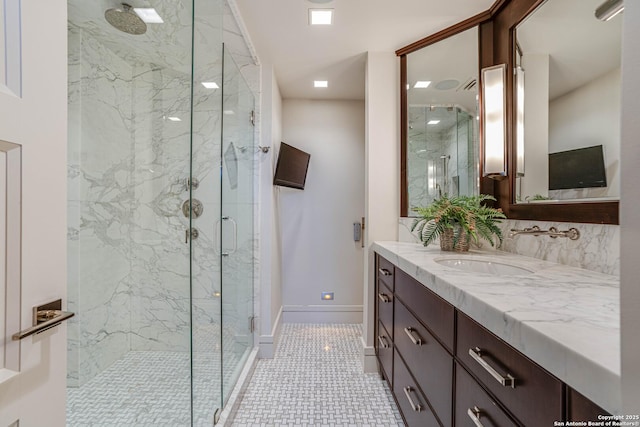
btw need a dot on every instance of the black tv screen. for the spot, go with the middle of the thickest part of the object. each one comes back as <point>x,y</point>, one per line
<point>291,169</point>
<point>581,168</point>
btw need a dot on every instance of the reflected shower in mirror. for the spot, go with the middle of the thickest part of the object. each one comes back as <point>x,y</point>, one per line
<point>442,128</point>
<point>567,104</point>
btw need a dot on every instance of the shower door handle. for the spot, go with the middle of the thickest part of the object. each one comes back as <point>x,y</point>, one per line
<point>234,248</point>
<point>235,234</point>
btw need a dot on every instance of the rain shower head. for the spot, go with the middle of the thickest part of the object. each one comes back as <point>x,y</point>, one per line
<point>125,19</point>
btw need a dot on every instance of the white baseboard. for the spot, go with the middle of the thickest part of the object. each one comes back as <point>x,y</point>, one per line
<point>268,343</point>
<point>322,314</point>
<point>369,361</point>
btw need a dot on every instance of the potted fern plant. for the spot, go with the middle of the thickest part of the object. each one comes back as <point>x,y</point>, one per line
<point>458,221</point>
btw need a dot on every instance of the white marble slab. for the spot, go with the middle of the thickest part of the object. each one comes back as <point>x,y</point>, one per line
<point>566,319</point>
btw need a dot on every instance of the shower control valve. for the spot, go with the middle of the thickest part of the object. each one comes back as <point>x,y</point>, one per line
<point>192,233</point>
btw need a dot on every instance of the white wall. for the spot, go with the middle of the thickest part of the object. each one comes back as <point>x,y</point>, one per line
<point>37,120</point>
<point>536,126</point>
<point>382,176</point>
<point>588,116</point>
<point>270,238</point>
<point>629,212</point>
<point>318,251</point>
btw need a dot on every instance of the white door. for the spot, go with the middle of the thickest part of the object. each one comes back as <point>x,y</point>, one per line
<point>33,130</point>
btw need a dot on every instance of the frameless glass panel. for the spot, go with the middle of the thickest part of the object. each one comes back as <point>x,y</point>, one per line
<point>128,169</point>
<point>237,242</point>
<point>206,287</point>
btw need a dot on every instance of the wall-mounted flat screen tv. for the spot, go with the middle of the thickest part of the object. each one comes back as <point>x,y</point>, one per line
<point>291,168</point>
<point>581,168</point>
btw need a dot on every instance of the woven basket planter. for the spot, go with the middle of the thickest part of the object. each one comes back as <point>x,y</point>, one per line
<point>447,239</point>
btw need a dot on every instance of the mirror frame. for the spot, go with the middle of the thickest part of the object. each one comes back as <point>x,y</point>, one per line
<point>496,45</point>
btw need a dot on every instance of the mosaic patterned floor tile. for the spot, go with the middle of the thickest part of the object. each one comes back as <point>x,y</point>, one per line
<point>316,379</point>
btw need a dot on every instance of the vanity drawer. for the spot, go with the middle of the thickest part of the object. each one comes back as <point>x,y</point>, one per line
<point>413,405</point>
<point>535,398</point>
<point>473,401</point>
<point>430,364</point>
<point>384,300</point>
<point>384,350</point>
<point>385,272</point>
<point>429,308</point>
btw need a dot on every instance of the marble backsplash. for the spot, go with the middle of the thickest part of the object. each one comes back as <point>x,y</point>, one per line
<point>597,249</point>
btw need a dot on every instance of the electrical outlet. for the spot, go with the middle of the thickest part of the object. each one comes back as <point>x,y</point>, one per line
<point>327,296</point>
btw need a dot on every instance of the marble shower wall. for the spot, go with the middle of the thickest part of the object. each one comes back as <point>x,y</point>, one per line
<point>128,164</point>
<point>598,248</point>
<point>100,205</point>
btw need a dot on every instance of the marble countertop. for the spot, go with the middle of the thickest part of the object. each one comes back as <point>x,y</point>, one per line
<point>565,319</point>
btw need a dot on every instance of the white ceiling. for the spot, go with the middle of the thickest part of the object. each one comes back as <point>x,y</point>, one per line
<point>301,53</point>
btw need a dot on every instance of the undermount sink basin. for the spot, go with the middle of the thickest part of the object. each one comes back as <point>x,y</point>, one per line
<point>484,267</point>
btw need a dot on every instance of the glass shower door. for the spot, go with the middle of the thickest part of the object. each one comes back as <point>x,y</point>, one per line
<point>236,225</point>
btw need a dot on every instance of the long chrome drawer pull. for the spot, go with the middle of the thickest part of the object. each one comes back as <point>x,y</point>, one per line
<point>55,317</point>
<point>413,335</point>
<point>474,414</point>
<point>383,341</point>
<point>384,272</point>
<point>384,297</point>
<point>414,406</point>
<point>508,381</point>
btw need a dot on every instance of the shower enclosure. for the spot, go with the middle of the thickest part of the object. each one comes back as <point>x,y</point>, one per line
<point>161,161</point>
<point>441,153</point>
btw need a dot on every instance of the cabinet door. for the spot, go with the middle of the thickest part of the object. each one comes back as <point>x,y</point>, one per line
<point>473,404</point>
<point>582,409</point>
<point>415,410</point>
<point>529,392</point>
<point>430,364</point>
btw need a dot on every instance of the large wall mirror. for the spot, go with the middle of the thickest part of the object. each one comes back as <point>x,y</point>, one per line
<point>441,134</point>
<point>567,104</point>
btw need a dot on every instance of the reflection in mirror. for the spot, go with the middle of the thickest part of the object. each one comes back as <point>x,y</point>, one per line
<point>567,104</point>
<point>442,110</point>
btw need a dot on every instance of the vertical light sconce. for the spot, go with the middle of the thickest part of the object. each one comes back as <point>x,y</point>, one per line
<point>494,122</point>
<point>519,121</point>
<point>609,9</point>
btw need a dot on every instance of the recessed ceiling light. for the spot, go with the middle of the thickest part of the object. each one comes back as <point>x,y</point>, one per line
<point>174,119</point>
<point>148,15</point>
<point>228,112</point>
<point>433,122</point>
<point>210,85</point>
<point>421,84</point>
<point>320,16</point>
<point>320,83</point>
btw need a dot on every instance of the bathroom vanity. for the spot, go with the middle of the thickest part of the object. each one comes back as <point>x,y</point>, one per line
<point>495,339</point>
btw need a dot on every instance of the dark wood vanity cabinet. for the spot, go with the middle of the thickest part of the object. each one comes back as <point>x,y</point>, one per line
<point>530,393</point>
<point>445,369</point>
<point>579,408</point>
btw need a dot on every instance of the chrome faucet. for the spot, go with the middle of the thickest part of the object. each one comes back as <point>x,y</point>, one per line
<point>552,232</point>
